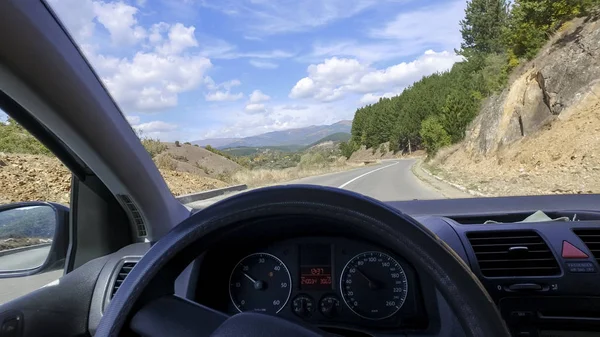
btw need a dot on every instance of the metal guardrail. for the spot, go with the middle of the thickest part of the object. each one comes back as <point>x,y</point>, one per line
<point>22,249</point>
<point>188,198</point>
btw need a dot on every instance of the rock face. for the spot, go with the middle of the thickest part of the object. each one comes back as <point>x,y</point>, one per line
<point>551,86</point>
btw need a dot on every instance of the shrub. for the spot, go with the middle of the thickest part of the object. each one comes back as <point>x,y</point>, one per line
<point>187,143</point>
<point>15,139</point>
<point>165,162</point>
<point>434,135</point>
<point>348,148</point>
<point>177,144</point>
<point>312,160</point>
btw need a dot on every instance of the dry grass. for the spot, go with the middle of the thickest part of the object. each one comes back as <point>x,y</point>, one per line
<point>265,177</point>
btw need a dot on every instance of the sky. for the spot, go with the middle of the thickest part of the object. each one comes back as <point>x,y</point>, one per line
<point>194,69</point>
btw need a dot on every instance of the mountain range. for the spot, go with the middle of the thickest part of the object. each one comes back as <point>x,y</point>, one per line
<point>300,136</point>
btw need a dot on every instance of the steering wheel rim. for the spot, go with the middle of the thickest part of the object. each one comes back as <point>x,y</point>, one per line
<point>362,215</point>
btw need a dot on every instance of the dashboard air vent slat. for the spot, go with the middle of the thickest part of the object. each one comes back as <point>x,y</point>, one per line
<point>123,272</point>
<point>135,215</point>
<point>591,238</point>
<point>512,253</point>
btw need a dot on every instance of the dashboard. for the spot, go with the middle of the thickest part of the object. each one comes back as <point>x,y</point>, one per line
<point>329,282</point>
<point>543,276</point>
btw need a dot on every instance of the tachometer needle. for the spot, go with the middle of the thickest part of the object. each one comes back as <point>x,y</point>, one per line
<point>258,285</point>
<point>373,284</point>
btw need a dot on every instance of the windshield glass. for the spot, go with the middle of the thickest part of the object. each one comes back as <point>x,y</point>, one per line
<point>398,100</point>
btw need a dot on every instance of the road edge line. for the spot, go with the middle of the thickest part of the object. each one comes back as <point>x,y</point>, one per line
<point>418,166</point>
<point>364,174</point>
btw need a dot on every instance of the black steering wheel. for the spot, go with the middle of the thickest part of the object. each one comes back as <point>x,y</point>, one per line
<point>145,303</point>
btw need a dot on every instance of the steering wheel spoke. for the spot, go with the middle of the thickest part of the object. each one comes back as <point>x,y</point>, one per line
<point>174,316</point>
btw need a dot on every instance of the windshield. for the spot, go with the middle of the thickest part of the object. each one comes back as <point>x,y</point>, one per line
<point>398,100</point>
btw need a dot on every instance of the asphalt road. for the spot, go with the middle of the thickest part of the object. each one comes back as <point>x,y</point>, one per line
<point>390,180</point>
<point>24,260</point>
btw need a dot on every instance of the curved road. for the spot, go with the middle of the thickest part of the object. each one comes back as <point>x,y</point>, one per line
<point>390,180</point>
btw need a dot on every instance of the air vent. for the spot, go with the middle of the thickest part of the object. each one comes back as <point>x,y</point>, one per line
<point>591,238</point>
<point>512,253</point>
<point>135,214</point>
<point>123,272</point>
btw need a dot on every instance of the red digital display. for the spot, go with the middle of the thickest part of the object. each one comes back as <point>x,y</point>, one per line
<point>315,277</point>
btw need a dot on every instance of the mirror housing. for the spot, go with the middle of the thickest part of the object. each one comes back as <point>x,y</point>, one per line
<point>58,247</point>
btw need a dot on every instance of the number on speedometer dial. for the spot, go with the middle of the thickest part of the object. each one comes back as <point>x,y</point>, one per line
<point>260,282</point>
<point>373,285</point>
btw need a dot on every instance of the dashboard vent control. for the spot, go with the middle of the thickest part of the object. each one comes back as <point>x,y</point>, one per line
<point>123,272</point>
<point>512,253</point>
<point>591,238</point>
<point>134,214</point>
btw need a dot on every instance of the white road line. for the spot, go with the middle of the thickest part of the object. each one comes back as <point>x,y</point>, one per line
<point>364,174</point>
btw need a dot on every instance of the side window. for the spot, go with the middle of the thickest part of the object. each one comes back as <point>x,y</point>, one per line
<point>34,206</point>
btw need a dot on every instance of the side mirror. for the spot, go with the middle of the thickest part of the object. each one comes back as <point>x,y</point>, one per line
<point>34,238</point>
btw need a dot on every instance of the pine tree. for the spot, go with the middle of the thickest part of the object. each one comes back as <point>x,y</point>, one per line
<point>482,26</point>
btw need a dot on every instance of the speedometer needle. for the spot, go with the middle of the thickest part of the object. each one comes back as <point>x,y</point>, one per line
<point>373,284</point>
<point>258,285</point>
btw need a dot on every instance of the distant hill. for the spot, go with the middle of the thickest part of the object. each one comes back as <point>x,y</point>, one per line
<point>300,136</point>
<point>247,150</point>
<point>337,137</point>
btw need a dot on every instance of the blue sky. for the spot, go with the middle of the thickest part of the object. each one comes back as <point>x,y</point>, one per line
<point>193,69</point>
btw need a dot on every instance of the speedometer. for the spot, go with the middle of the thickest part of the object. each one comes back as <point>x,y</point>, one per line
<point>373,285</point>
<point>260,282</point>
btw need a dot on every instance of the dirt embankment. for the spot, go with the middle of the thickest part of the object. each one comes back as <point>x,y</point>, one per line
<point>36,177</point>
<point>542,134</point>
<point>196,160</point>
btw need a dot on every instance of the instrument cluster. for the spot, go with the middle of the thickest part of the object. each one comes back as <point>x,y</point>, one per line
<point>320,280</point>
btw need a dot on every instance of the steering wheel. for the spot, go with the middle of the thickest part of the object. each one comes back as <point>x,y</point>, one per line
<point>145,303</point>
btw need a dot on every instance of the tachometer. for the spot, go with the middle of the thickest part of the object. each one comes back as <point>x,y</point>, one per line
<point>260,282</point>
<point>373,285</point>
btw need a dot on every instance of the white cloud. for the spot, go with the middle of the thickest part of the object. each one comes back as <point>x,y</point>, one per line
<point>221,96</point>
<point>427,27</point>
<point>332,79</point>
<point>371,98</point>
<point>258,96</point>
<point>156,126</point>
<point>255,108</point>
<point>133,120</point>
<point>263,64</point>
<point>408,34</point>
<point>119,19</point>
<point>180,38</point>
<point>150,81</point>
<point>325,80</point>
<point>153,77</point>
<point>268,18</point>
<point>217,95</point>
<point>294,107</point>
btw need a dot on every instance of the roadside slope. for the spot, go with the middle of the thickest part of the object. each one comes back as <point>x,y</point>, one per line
<point>541,135</point>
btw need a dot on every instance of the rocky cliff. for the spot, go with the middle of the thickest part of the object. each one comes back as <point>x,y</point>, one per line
<point>551,86</point>
<point>541,135</point>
